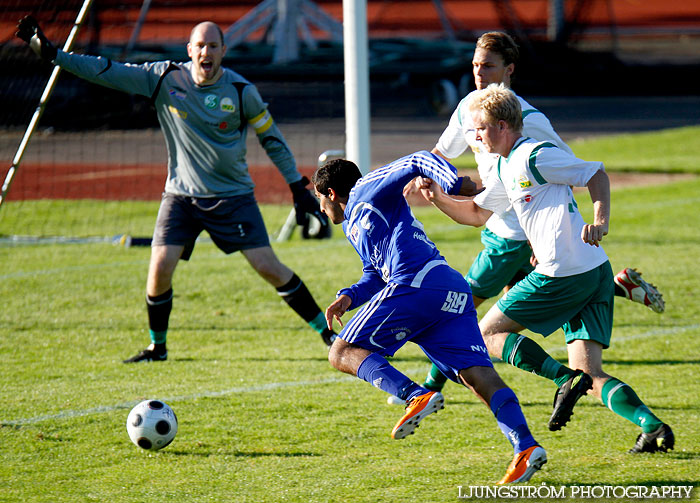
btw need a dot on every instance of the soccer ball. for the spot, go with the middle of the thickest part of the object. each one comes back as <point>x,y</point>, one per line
<point>151,425</point>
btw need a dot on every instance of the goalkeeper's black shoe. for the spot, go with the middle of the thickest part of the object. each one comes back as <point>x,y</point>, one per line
<point>328,336</point>
<point>659,440</point>
<point>566,397</point>
<point>148,355</point>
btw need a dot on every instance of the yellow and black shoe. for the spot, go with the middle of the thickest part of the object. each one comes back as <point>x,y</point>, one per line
<point>660,440</point>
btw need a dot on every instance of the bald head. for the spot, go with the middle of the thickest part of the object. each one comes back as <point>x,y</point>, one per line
<point>205,26</point>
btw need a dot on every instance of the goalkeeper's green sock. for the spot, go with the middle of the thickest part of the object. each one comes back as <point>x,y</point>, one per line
<point>158,338</point>
<point>623,401</point>
<point>527,355</point>
<point>159,308</point>
<point>319,323</point>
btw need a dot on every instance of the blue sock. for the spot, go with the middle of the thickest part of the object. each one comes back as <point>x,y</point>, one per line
<point>506,408</point>
<point>376,370</point>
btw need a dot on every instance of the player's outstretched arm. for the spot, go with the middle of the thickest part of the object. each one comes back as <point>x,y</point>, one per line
<point>599,189</point>
<point>464,212</point>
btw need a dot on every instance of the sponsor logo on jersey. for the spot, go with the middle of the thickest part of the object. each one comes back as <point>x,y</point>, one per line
<point>385,273</point>
<point>354,233</point>
<point>376,258</point>
<point>422,237</point>
<point>227,105</point>
<point>400,333</point>
<point>524,182</point>
<point>176,111</point>
<point>177,93</point>
<point>211,101</point>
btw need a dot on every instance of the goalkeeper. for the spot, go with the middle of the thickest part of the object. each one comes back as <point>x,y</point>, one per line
<point>203,110</point>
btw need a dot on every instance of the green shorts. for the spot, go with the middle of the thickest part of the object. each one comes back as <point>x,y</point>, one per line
<point>581,305</point>
<point>497,264</point>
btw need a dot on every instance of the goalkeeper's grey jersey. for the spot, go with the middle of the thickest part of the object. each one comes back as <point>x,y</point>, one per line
<point>205,127</point>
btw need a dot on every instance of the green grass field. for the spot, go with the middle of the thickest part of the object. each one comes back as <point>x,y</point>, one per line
<point>262,415</point>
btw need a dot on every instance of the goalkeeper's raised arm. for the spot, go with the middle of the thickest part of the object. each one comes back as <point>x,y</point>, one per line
<point>204,111</point>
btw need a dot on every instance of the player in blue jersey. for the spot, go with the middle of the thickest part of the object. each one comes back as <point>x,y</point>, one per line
<point>204,111</point>
<point>410,293</point>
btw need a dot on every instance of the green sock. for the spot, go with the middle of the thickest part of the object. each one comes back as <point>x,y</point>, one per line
<point>527,355</point>
<point>158,337</point>
<point>623,401</point>
<point>319,323</point>
<point>435,380</point>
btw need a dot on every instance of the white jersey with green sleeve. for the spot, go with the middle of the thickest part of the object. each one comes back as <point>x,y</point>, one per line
<point>205,127</point>
<point>534,180</point>
<point>460,134</point>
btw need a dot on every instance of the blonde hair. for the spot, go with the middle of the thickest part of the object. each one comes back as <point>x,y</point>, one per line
<point>497,103</point>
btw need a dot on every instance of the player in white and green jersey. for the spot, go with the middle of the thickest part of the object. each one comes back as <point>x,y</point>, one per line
<point>506,256</point>
<point>204,111</point>
<point>572,285</point>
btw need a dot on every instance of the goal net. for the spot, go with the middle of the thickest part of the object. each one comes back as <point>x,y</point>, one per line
<point>95,166</point>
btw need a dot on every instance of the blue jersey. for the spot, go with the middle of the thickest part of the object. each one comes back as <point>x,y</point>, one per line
<point>392,244</point>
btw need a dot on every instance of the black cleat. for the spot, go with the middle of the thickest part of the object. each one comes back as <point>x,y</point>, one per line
<point>659,440</point>
<point>148,355</point>
<point>328,337</point>
<point>566,397</point>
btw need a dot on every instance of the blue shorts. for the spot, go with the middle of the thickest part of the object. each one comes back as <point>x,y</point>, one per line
<point>443,323</point>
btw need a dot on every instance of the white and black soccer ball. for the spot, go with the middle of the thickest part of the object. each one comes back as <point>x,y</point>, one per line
<point>151,425</point>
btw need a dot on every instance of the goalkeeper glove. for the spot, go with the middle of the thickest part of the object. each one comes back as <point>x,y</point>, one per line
<point>305,202</point>
<point>29,31</point>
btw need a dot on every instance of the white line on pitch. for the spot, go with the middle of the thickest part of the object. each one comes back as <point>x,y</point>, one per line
<point>205,394</point>
<point>286,384</point>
